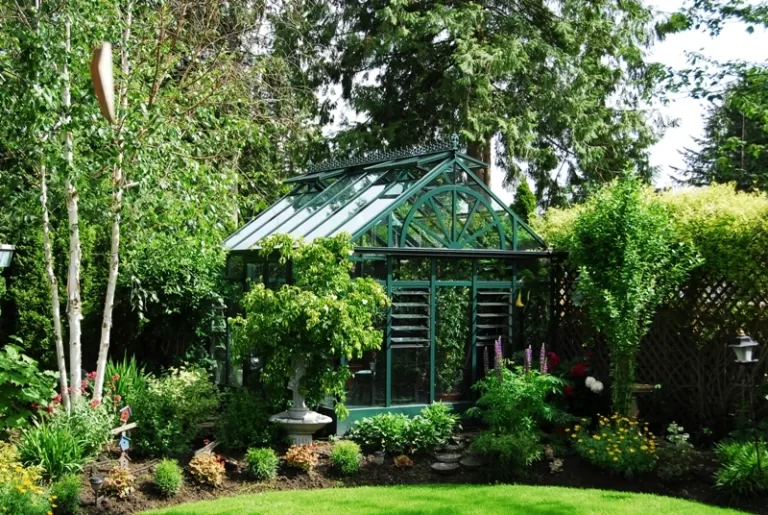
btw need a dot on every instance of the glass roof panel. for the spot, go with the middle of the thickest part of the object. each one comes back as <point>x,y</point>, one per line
<point>357,195</point>
<point>333,198</point>
<point>244,238</point>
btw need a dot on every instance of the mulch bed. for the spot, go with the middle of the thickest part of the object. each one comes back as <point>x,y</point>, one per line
<point>576,473</point>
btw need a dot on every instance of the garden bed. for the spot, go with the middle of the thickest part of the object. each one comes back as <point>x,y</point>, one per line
<point>576,473</point>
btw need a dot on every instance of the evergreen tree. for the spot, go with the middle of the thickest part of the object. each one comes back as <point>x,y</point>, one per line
<point>525,201</point>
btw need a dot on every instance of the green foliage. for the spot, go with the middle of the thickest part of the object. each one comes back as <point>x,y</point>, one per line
<point>556,82</point>
<point>739,473</point>
<point>52,448</point>
<point>324,316</point>
<point>396,433</point>
<point>676,455</point>
<point>509,454</point>
<point>261,463</point>
<point>629,258</point>
<point>22,387</point>
<point>525,201</point>
<point>131,378</point>
<point>519,402</point>
<point>66,495</point>
<point>169,477</point>
<point>26,502</point>
<point>20,489</point>
<point>87,424</point>
<point>171,408</point>
<point>345,457</point>
<point>620,445</point>
<point>245,421</point>
<point>451,337</point>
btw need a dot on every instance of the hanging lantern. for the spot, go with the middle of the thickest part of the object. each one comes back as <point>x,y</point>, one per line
<point>745,348</point>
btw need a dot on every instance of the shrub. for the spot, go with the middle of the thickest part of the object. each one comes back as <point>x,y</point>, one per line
<point>171,408</point>
<point>87,424</point>
<point>20,491</point>
<point>676,456</point>
<point>52,448</point>
<point>207,469</point>
<point>619,445</point>
<point>66,495</point>
<point>519,402</point>
<point>509,454</point>
<point>23,387</point>
<point>345,457</point>
<point>395,433</point>
<point>120,482</point>
<point>738,472</point>
<point>168,477</point>
<point>301,457</point>
<point>261,464</point>
<point>245,421</point>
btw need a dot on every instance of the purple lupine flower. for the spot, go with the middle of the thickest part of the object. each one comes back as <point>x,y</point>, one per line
<point>485,359</point>
<point>498,357</point>
<point>543,359</point>
<point>528,358</point>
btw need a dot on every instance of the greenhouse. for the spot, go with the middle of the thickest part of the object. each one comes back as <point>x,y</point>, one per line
<point>462,269</point>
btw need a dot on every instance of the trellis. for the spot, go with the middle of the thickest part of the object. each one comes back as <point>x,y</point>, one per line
<point>685,352</point>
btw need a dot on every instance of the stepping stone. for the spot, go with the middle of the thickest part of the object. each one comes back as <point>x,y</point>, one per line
<point>448,457</point>
<point>472,462</point>
<point>445,468</point>
<point>453,448</point>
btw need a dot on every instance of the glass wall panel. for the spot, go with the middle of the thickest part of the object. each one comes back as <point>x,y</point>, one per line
<point>279,218</point>
<point>410,376</point>
<point>453,344</point>
<point>367,386</point>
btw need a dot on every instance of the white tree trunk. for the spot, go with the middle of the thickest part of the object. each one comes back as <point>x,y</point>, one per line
<point>54,284</point>
<point>118,187</point>
<point>74,309</point>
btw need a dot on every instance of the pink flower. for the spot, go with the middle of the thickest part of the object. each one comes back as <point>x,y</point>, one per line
<point>568,391</point>
<point>116,398</point>
<point>95,403</point>
<point>57,398</point>
<point>116,377</point>
<point>91,376</point>
<point>35,406</point>
<point>49,408</point>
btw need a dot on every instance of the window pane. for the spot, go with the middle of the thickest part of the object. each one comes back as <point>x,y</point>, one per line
<point>346,201</point>
<point>267,228</point>
<point>453,349</point>
<point>367,386</point>
<point>234,241</point>
<point>410,376</point>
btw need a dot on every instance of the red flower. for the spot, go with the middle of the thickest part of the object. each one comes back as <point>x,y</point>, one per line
<point>206,441</point>
<point>57,398</point>
<point>552,360</point>
<point>91,376</point>
<point>568,391</point>
<point>95,403</point>
<point>49,408</point>
<point>35,406</point>
<point>578,370</point>
<point>116,377</point>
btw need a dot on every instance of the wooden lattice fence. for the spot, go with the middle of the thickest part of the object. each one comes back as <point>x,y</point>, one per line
<point>685,351</point>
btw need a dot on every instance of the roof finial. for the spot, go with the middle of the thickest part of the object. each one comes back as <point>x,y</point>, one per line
<point>455,141</point>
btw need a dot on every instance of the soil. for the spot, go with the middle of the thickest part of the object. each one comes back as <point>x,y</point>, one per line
<point>576,473</point>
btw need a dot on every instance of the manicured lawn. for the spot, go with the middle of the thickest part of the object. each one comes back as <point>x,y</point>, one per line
<point>506,499</point>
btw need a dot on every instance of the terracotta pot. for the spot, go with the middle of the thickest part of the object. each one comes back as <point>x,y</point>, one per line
<point>450,396</point>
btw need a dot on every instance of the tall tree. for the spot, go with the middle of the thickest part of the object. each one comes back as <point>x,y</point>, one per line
<point>735,143</point>
<point>558,85</point>
<point>524,204</point>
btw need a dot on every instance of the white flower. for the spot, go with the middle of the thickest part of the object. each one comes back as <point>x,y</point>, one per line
<point>589,382</point>
<point>597,387</point>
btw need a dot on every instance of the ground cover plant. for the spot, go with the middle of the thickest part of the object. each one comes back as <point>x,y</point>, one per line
<point>261,464</point>
<point>345,457</point>
<point>169,477</point>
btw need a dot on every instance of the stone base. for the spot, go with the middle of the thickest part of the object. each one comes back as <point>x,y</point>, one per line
<point>301,425</point>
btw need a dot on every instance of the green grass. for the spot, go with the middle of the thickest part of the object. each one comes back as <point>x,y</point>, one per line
<point>447,499</point>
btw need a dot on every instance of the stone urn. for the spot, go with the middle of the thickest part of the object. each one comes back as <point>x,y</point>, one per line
<point>299,421</point>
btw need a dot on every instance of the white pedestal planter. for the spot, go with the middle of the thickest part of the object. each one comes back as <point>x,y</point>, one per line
<point>299,421</point>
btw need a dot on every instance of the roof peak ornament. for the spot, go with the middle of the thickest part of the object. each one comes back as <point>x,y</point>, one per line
<point>385,155</point>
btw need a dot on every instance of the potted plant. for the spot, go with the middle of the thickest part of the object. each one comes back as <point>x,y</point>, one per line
<point>301,331</point>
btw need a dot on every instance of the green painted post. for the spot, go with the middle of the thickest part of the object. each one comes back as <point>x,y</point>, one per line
<point>388,336</point>
<point>474,321</point>
<point>432,314</point>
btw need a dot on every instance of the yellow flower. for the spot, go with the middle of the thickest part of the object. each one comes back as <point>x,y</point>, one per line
<point>644,448</point>
<point>591,451</point>
<point>621,438</point>
<point>581,441</point>
<point>50,512</point>
<point>631,449</point>
<point>596,437</point>
<point>567,429</point>
<point>603,434</point>
<point>615,459</point>
<point>574,435</point>
<point>576,427</point>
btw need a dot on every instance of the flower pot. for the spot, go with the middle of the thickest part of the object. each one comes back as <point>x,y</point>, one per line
<point>450,396</point>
